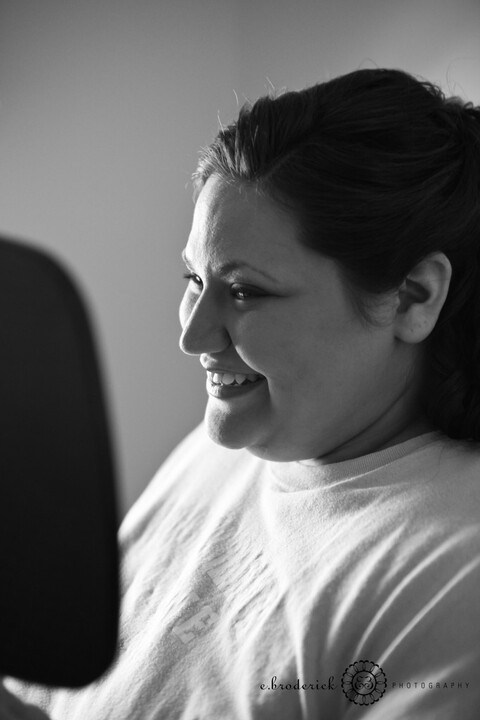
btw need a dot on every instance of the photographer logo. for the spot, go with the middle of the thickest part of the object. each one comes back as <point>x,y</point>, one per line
<point>364,682</point>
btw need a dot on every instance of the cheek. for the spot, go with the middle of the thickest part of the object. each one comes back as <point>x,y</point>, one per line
<point>264,346</point>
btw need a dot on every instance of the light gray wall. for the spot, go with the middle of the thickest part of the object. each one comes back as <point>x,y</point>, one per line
<point>103,107</point>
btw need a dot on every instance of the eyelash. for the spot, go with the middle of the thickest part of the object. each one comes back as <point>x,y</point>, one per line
<point>194,278</point>
<point>248,293</point>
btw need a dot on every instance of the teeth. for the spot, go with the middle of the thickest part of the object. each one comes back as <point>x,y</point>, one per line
<point>231,378</point>
<point>228,378</point>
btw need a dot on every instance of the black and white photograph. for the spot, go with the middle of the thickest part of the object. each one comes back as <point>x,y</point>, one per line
<point>239,360</point>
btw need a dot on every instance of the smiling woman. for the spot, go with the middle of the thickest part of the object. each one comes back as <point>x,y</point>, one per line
<point>291,328</point>
<point>324,549</point>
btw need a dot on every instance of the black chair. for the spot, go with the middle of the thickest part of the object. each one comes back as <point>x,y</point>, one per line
<point>58,550</point>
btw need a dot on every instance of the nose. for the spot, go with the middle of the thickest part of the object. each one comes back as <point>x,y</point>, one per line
<point>203,328</point>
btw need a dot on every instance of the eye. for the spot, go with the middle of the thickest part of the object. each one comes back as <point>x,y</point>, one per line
<point>246,292</point>
<point>193,278</point>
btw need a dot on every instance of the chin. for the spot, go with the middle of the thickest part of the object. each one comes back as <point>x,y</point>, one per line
<point>274,454</point>
<point>228,432</point>
<point>232,441</point>
<point>226,441</point>
<point>230,435</point>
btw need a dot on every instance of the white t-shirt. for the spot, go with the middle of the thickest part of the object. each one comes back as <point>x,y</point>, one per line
<point>253,589</point>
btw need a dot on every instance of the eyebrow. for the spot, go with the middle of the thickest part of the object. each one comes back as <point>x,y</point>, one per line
<point>233,265</point>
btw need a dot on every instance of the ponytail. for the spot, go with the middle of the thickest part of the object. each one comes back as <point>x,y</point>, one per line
<point>452,393</point>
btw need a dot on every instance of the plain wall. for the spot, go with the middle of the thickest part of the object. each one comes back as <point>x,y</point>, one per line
<point>103,107</point>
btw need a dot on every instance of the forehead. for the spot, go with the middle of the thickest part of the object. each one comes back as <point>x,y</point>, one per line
<point>234,225</point>
<point>235,219</point>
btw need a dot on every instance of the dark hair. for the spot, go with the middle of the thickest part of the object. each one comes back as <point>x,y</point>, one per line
<point>380,169</point>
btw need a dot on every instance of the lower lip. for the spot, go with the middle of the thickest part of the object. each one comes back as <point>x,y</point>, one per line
<point>228,392</point>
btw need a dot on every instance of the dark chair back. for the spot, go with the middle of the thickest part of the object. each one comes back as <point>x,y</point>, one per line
<point>58,548</point>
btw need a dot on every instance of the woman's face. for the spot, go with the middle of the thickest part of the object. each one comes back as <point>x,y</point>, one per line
<point>292,371</point>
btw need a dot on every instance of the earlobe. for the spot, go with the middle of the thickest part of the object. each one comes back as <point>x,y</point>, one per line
<point>421,298</point>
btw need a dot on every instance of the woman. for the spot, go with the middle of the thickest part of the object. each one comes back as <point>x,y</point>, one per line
<point>323,550</point>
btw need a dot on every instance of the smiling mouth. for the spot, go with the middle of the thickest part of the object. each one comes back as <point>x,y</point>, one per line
<point>233,379</point>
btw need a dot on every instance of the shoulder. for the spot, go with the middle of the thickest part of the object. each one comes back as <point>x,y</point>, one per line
<point>443,472</point>
<point>451,477</point>
<point>433,496</point>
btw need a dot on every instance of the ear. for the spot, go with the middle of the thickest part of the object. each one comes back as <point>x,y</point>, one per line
<point>421,298</point>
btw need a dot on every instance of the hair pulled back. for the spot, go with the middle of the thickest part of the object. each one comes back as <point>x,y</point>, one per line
<point>379,169</point>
